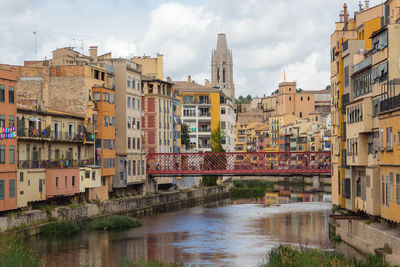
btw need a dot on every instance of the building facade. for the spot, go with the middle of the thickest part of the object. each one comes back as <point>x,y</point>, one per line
<point>8,143</point>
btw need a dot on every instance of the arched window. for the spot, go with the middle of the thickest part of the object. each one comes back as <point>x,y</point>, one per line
<point>223,75</point>
<point>218,75</point>
<point>128,82</point>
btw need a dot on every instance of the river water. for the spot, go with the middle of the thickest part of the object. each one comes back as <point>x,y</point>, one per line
<point>227,235</point>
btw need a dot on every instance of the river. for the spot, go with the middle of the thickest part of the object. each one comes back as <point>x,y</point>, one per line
<point>227,235</point>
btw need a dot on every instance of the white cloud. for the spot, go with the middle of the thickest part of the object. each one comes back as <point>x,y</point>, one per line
<point>265,36</point>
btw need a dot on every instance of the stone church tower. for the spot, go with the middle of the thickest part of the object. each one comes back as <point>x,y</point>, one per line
<point>222,68</point>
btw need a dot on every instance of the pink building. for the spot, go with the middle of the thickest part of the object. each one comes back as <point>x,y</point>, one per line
<point>62,182</point>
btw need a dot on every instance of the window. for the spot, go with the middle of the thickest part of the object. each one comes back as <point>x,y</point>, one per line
<point>11,121</point>
<point>73,180</point>
<point>391,186</point>
<point>2,121</point>
<point>66,180</point>
<point>301,98</point>
<point>106,119</point>
<point>138,104</point>
<point>2,93</point>
<point>142,166</point>
<point>129,143</point>
<point>87,174</point>
<point>138,167</point>
<point>129,122</point>
<point>138,124</point>
<point>21,176</point>
<point>108,144</point>
<point>290,98</point>
<point>133,167</point>
<point>128,102</point>
<point>128,82</point>
<point>308,98</point>
<point>382,140</point>
<point>56,181</point>
<point>133,82</point>
<point>347,188</point>
<point>2,154</point>
<point>398,188</point>
<point>11,154</point>
<point>138,143</point>
<point>11,94</point>
<point>129,167</point>
<point>97,96</point>
<point>133,103</point>
<point>222,111</point>
<point>387,190</point>
<point>133,143</point>
<point>93,175</point>
<point>1,189</point>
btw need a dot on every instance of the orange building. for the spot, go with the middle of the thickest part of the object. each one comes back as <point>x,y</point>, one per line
<point>105,137</point>
<point>8,113</point>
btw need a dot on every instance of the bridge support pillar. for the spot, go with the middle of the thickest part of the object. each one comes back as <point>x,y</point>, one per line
<point>316,182</point>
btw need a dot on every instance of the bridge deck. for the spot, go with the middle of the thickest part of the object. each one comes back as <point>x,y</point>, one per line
<point>240,163</point>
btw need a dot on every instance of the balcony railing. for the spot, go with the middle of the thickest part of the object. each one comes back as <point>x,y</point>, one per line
<point>204,130</point>
<point>54,164</point>
<point>205,115</point>
<point>390,103</point>
<point>62,136</point>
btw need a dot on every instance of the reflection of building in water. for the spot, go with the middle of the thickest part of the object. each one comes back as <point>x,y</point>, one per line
<point>307,228</point>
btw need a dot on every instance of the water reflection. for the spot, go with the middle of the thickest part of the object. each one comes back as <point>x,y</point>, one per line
<point>232,235</point>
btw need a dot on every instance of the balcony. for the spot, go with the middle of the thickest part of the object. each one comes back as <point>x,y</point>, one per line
<point>54,164</point>
<point>389,104</point>
<point>39,134</point>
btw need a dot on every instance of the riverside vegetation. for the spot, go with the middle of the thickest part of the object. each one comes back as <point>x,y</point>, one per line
<point>250,189</point>
<point>285,255</point>
<point>107,223</point>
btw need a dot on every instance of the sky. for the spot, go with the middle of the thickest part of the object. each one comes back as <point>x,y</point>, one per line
<point>267,37</point>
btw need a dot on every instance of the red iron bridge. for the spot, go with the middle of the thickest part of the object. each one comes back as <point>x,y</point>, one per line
<point>240,163</point>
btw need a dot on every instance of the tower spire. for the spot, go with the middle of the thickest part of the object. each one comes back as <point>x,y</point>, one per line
<point>222,67</point>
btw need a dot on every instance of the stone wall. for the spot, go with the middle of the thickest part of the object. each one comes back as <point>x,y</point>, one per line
<point>129,205</point>
<point>368,237</point>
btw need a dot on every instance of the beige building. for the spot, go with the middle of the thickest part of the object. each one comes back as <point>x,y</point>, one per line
<point>131,157</point>
<point>151,67</point>
<point>49,139</point>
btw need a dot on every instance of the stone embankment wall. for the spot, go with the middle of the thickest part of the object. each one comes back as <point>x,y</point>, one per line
<point>134,206</point>
<point>368,237</point>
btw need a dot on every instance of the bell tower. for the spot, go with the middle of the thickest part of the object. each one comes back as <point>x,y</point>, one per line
<point>222,67</point>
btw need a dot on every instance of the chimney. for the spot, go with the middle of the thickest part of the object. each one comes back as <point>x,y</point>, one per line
<point>360,6</point>
<point>207,83</point>
<point>93,52</point>
<point>189,79</point>
<point>346,17</point>
<point>366,4</point>
<point>341,16</point>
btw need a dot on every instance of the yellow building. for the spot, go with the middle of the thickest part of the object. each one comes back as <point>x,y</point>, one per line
<point>349,45</point>
<point>151,67</point>
<point>200,110</point>
<point>203,109</point>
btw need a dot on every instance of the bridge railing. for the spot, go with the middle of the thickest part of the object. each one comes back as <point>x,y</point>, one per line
<point>256,163</point>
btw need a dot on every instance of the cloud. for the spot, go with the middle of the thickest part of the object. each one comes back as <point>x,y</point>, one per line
<point>265,36</point>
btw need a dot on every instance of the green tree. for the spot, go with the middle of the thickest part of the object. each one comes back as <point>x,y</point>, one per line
<point>185,139</point>
<point>216,140</point>
<point>214,161</point>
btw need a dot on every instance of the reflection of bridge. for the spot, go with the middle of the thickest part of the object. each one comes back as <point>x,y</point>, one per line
<point>240,163</point>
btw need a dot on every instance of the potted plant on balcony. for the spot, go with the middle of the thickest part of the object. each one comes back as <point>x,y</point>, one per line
<point>47,132</point>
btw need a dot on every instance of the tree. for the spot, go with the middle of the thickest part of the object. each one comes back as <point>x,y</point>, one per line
<point>216,140</point>
<point>214,161</point>
<point>248,98</point>
<point>185,139</point>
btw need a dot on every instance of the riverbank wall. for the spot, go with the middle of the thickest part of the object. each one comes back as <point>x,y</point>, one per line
<point>31,221</point>
<point>369,238</point>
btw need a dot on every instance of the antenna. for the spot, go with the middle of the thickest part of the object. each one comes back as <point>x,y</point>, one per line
<point>35,33</point>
